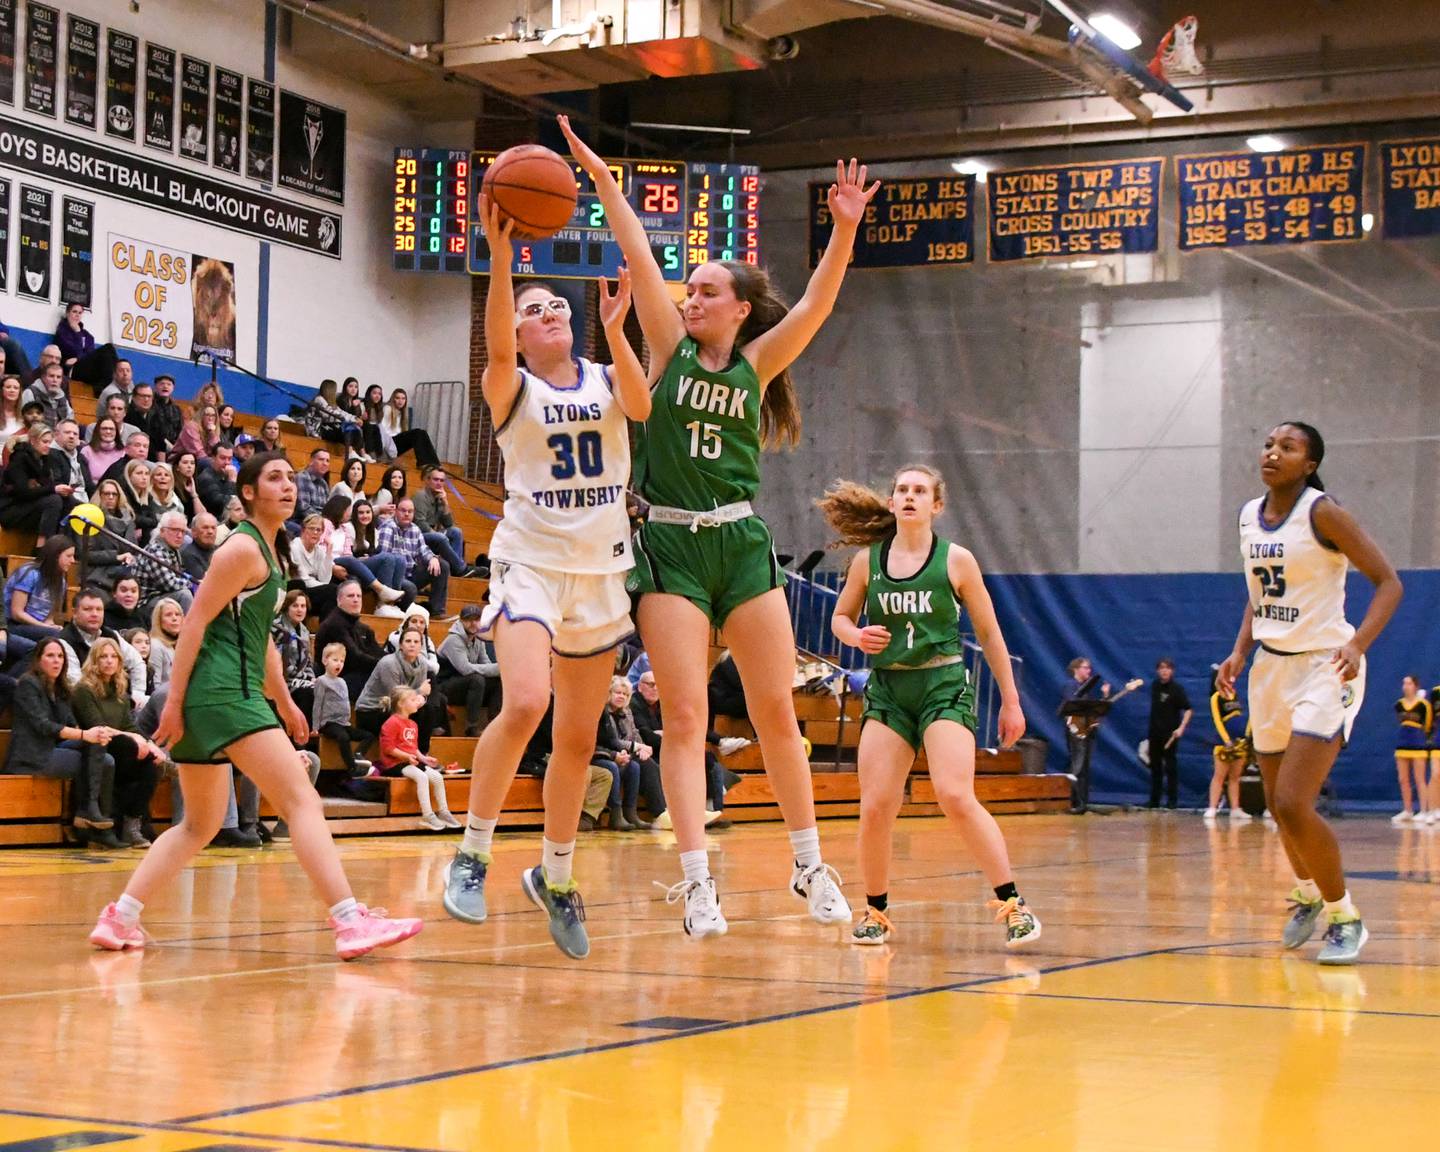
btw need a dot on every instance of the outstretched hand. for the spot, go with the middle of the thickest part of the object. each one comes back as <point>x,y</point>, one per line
<point>497,232</point>
<point>614,307</point>
<point>584,155</point>
<point>848,195</point>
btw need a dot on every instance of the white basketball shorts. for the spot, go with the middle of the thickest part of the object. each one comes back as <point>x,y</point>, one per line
<point>1301,695</point>
<point>584,613</point>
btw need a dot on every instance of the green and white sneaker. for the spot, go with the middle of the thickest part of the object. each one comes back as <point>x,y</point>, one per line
<point>874,928</point>
<point>465,887</point>
<point>1022,926</point>
<point>566,911</point>
<point>1304,915</point>
<point>1343,941</point>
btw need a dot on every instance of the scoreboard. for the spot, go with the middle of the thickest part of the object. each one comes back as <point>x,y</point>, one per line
<point>432,209</point>
<point>692,213</point>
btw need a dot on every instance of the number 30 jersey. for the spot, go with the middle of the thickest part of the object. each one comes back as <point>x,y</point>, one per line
<point>920,611</point>
<point>1296,582</point>
<point>567,461</point>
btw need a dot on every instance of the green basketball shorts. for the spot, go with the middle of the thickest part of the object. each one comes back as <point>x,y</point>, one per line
<point>908,701</point>
<point>716,569</point>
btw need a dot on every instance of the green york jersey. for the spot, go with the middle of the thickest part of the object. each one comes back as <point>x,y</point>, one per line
<point>920,611</point>
<point>230,665</point>
<point>700,449</point>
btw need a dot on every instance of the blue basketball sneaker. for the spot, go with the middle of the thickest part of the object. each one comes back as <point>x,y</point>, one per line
<point>465,887</point>
<point>566,910</point>
<point>1343,941</point>
<point>1304,915</point>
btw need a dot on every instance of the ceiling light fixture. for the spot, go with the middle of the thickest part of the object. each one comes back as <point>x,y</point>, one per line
<point>972,167</point>
<point>1266,143</point>
<point>1115,30</point>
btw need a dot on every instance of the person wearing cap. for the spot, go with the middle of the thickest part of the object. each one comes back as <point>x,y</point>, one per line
<point>244,448</point>
<point>468,671</point>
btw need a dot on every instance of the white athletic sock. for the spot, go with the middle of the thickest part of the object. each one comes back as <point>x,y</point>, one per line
<point>558,861</point>
<point>806,846</point>
<point>1309,889</point>
<point>129,909</point>
<point>479,834</point>
<point>346,910</point>
<point>1341,909</point>
<point>696,865</point>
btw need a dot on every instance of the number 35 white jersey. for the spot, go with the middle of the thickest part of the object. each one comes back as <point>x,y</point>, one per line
<point>567,461</point>
<point>1296,582</point>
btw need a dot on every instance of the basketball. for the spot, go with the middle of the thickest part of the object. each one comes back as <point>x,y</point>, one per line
<point>87,519</point>
<point>534,187</point>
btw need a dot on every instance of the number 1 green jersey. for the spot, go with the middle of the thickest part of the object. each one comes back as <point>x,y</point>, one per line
<point>700,449</point>
<point>921,611</point>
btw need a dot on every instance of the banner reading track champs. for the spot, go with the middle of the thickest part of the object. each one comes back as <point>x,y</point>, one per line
<point>914,221</point>
<point>1091,209</point>
<point>1300,195</point>
<point>140,180</point>
<point>1410,178</point>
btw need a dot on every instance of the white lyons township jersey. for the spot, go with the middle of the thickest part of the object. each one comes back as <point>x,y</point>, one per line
<point>1296,583</point>
<point>567,461</point>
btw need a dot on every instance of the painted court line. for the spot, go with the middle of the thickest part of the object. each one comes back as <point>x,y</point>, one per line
<point>1211,1004</point>
<point>166,1126</point>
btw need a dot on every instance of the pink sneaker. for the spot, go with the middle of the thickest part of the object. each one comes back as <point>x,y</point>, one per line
<point>370,930</point>
<point>113,934</point>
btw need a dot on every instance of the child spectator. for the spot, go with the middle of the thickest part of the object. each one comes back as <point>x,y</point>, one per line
<point>330,715</point>
<point>35,594</point>
<point>400,755</point>
<point>139,640</point>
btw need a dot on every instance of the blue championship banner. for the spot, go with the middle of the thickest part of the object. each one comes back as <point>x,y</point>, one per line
<point>914,221</point>
<point>1300,195</point>
<point>1410,179</point>
<point>1093,209</point>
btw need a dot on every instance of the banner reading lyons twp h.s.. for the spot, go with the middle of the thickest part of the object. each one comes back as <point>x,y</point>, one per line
<point>168,302</point>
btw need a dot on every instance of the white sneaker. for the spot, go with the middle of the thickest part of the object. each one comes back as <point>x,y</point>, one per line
<point>447,818</point>
<point>432,822</point>
<point>387,595</point>
<point>389,611</point>
<point>1209,814</point>
<point>702,907</point>
<point>729,745</point>
<point>820,888</point>
<point>1432,816</point>
<point>662,822</point>
<point>710,816</point>
<point>1401,818</point>
<point>1240,816</point>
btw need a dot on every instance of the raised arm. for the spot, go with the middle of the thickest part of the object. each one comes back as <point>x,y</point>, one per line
<point>501,382</point>
<point>659,318</point>
<point>965,578</point>
<point>850,606</point>
<point>632,390</point>
<point>772,352</point>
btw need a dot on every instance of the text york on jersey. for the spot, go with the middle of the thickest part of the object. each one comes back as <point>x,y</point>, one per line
<point>904,603</point>
<point>703,396</point>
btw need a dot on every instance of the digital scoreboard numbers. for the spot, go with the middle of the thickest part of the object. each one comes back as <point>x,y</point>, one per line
<point>724,218</point>
<point>1296,196</point>
<point>586,247</point>
<point>432,191</point>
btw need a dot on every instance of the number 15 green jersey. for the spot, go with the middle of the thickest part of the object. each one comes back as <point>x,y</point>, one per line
<point>921,611</point>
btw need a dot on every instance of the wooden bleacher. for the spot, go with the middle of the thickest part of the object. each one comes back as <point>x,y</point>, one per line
<point>32,808</point>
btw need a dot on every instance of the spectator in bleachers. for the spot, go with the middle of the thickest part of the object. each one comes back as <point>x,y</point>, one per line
<point>620,751</point>
<point>469,674</point>
<point>726,692</point>
<point>292,641</point>
<point>432,513</point>
<point>244,447</point>
<point>359,536</point>
<point>312,566</point>
<point>312,485</point>
<point>344,626</point>
<point>159,567</point>
<point>12,357</point>
<point>137,447</point>
<point>103,449</point>
<point>50,354</point>
<point>402,535</point>
<point>201,433</point>
<point>215,480</point>
<point>234,514</point>
<point>352,481</point>
<point>645,707</point>
<point>107,559</point>
<point>118,411</point>
<point>330,712</point>
<point>66,464</point>
<point>392,489</point>
<point>168,420</point>
<point>139,640</point>
<point>210,393</point>
<point>348,400</point>
<point>270,440</point>
<point>125,613</point>
<point>47,740</point>
<point>166,620</point>
<point>49,393</point>
<point>135,483</point>
<point>143,414</point>
<point>86,626</point>
<point>230,431</point>
<point>326,420</point>
<point>30,498</point>
<point>400,754</point>
<point>122,384</point>
<point>375,571</point>
<point>82,359</point>
<point>372,411</point>
<point>11,399</point>
<point>416,621</point>
<point>101,699</point>
<point>402,669</point>
<point>197,554</point>
<point>162,490</point>
<point>185,465</point>
<point>395,422</point>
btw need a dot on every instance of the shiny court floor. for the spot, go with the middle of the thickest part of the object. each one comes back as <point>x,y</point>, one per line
<point>1156,1013</point>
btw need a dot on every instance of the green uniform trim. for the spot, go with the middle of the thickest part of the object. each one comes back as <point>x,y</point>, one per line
<point>225,699</point>
<point>920,610</point>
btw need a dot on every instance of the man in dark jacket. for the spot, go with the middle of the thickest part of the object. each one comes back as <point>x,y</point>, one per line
<point>145,416</point>
<point>215,481</point>
<point>65,463</point>
<point>344,626</point>
<point>169,420</point>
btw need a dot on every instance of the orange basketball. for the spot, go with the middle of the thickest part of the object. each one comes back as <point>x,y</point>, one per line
<point>534,187</point>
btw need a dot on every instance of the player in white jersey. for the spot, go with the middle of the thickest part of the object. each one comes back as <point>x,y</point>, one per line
<point>1309,676</point>
<point>557,569</point>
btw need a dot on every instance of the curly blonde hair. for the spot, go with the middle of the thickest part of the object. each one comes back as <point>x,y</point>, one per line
<point>861,515</point>
<point>119,685</point>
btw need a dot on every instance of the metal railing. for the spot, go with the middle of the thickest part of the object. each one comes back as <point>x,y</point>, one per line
<point>442,408</point>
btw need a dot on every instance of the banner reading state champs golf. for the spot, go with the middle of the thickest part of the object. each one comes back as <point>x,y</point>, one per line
<point>169,302</point>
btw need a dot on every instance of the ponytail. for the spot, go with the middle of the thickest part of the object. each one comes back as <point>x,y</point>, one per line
<point>861,515</point>
<point>779,409</point>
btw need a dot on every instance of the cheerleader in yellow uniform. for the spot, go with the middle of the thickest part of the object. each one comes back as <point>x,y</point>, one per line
<point>1412,752</point>
<point>1230,756</point>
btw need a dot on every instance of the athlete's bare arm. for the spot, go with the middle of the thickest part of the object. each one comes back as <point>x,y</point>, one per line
<point>500,383</point>
<point>851,605</point>
<point>965,577</point>
<point>627,375</point>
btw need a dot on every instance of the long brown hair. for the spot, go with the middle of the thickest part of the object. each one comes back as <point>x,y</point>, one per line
<point>779,410</point>
<point>860,515</point>
<point>118,686</point>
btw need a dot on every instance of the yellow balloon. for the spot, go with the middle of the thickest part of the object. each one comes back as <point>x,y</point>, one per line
<point>86,519</point>
<point>809,747</point>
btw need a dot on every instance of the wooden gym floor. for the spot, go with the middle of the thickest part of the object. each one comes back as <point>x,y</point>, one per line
<point>1157,1012</point>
